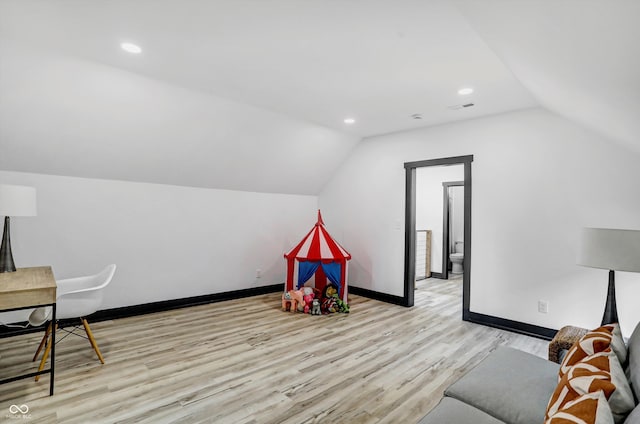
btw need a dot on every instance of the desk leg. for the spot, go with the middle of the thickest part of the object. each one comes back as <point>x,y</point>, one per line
<point>53,350</point>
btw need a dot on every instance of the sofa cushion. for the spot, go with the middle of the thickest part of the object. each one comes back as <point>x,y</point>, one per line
<point>618,345</point>
<point>509,384</point>
<point>634,416</point>
<point>633,361</point>
<point>590,408</point>
<point>451,410</point>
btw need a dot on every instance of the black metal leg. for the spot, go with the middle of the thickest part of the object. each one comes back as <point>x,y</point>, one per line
<point>53,349</point>
<point>610,310</point>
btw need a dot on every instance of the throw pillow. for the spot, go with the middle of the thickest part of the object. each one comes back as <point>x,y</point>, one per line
<point>617,343</point>
<point>579,380</point>
<point>593,342</point>
<point>621,400</point>
<point>590,408</point>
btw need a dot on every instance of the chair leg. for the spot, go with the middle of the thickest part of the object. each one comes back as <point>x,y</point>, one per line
<point>92,340</point>
<point>45,355</point>
<point>42,342</point>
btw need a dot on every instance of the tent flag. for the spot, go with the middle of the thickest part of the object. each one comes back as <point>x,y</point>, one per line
<point>306,271</point>
<point>333,271</point>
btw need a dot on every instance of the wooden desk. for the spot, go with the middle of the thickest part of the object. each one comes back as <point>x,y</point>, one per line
<point>30,288</point>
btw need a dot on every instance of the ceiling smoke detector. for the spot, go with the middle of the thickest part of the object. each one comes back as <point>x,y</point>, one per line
<point>457,107</point>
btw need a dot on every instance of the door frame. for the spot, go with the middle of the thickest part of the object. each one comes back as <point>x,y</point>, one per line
<point>410,227</point>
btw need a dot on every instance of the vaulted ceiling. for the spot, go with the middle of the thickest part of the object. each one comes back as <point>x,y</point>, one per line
<point>251,95</point>
<point>578,58</point>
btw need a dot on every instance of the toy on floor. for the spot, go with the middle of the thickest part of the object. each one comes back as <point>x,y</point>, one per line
<point>342,306</point>
<point>307,296</point>
<point>315,308</point>
<point>331,302</point>
<point>307,302</point>
<point>292,300</point>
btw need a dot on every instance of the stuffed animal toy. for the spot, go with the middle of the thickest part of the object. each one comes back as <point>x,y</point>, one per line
<point>293,299</point>
<point>307,290</point>
<point>287,302</point>
<point>329,305</point>
<point>329,290</point>
<point>315,308</point>
<point>307,302</point>
<point>342,306</point>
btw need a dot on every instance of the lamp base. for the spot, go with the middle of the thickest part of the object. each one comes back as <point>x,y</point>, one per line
<point>610,310</point>
<point>6,258</point>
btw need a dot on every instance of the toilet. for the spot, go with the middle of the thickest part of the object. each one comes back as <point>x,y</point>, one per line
<point>457,258</point>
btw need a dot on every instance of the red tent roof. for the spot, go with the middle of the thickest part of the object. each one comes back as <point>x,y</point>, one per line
<point>318,245</point>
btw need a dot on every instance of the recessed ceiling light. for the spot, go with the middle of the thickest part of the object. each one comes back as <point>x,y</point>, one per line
<point>349,121</point>
<point>131,48</point>
<point>465,91</point>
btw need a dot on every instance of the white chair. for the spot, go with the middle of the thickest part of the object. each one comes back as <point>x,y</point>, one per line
<point>76,298</point>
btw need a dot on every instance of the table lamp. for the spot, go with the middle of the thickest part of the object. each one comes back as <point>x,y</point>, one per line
<point>14,201</point>
<point>615,250</point>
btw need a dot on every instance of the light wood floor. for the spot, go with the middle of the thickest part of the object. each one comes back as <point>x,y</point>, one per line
<point>246,361</point>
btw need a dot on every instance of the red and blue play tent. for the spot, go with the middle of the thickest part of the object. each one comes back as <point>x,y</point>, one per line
<point>318,255</point>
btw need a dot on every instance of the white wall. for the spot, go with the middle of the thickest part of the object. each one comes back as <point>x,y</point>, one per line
<point>558,176</point>
<point>429,205</point>
<point>168,242</point>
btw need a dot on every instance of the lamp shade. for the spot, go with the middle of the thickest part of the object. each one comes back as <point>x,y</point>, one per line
<point>612,249</point>
<point>17,200</point>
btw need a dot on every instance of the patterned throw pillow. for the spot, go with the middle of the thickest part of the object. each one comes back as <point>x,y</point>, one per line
<point>600,371</point>
<point>580,379</point>
<point>593,342</point>
<point>621,400</point>
<point>591,408</point>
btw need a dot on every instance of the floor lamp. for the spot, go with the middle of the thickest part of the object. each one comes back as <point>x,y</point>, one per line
<point>14,201</point>
<point>615,250</point>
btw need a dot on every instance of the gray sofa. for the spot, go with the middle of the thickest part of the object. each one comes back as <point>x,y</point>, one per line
<point>511,386</point>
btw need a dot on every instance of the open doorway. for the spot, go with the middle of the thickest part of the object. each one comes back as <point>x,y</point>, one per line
<point>441,262</point>
<point>452,229</point>
<point>432,215</point>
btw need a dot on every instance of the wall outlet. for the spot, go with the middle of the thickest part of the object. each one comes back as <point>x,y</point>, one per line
<point>258,273</point>
<point>543,306</point>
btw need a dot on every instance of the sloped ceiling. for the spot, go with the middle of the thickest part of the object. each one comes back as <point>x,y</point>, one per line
<point>63,115</point>
<point>251,95</point>
<point>578,58</point>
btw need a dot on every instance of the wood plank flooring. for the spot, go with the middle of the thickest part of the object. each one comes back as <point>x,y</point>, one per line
<point>246,361</point>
